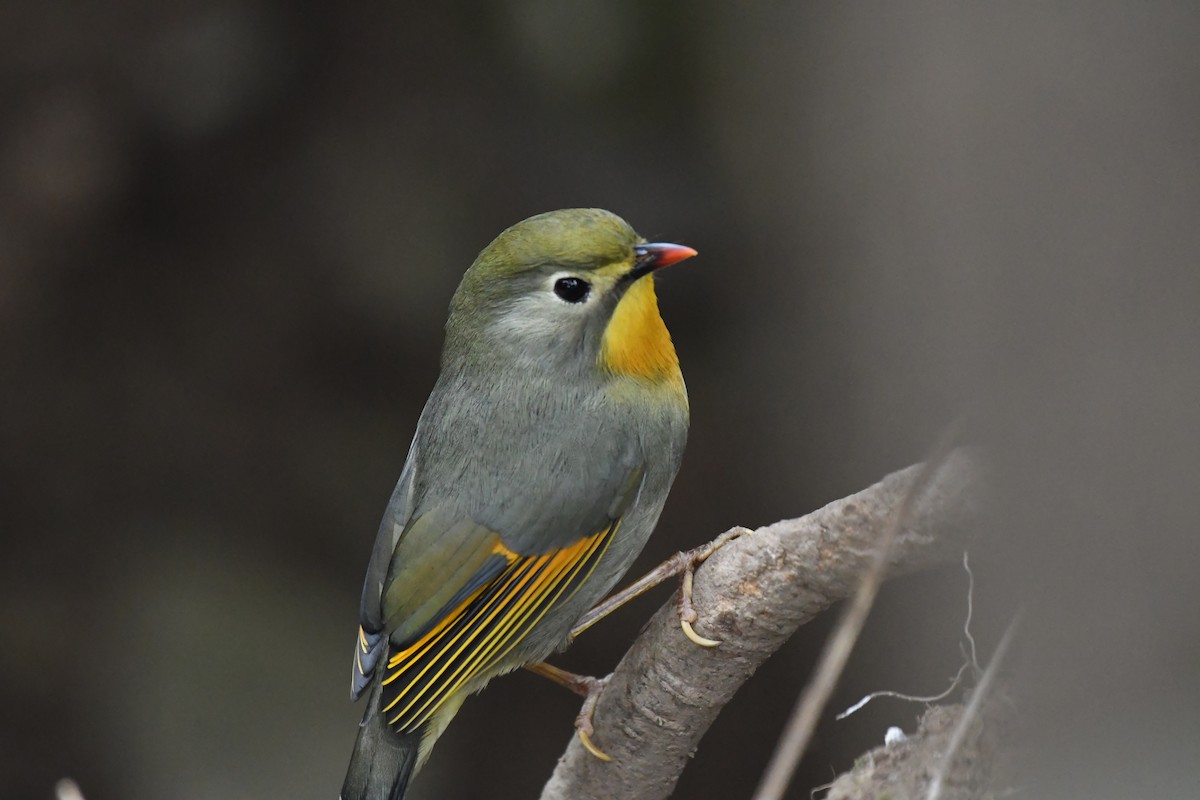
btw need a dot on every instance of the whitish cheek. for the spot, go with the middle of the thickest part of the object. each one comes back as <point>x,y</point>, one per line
<point>532,323</point>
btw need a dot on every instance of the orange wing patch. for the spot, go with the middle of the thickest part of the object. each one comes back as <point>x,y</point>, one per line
<point>484,628</point>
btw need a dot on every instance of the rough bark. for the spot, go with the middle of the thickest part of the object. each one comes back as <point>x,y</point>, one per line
<point>903,771</point>
<point>752,595</point>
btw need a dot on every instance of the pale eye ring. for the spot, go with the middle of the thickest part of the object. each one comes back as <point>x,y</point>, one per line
<point>571,289</point>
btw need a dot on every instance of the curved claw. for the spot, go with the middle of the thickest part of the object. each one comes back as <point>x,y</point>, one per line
<point>690,632</point>
<point>586,740</point>
<point>688,615</point>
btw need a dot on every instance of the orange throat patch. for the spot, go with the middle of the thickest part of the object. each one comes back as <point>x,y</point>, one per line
<point>636,342</point>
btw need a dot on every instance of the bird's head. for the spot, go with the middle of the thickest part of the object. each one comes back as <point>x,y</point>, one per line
<point>569,290</point>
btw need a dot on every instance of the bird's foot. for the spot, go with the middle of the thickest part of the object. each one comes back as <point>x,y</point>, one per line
<point>687,611</point>
<point>583,722</point>
<point>684,564</point>
<point>585,686</point>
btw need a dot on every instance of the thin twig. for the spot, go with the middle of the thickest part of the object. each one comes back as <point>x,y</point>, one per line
<point>909,697</point>
<point>970,713</point>
<point>824,787</point>
<point>812,701</point>
<point>970,612</point>
<point>969,660</point>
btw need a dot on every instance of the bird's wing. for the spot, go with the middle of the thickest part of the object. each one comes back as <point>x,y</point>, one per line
<point>371,642</point>
<point>460,596</point>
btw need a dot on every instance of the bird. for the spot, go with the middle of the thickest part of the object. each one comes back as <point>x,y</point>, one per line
<point>539,467</point>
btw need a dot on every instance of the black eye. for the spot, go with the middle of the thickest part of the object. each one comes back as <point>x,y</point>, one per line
<point>573,290</point>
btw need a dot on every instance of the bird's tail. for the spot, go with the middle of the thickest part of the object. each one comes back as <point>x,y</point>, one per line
<point>383,761</point>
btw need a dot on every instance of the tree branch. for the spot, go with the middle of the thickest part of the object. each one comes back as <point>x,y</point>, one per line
<point>836,653</point>
<point>903,769</point>
<point>752,595</point>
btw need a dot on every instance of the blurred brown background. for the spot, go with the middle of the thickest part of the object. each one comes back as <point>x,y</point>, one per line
<point>229,233</point>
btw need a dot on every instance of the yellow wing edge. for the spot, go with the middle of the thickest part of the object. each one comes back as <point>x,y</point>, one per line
<point>484,628</point>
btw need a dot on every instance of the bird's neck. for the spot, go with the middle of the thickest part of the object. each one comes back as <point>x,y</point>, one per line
<point>636,342</point>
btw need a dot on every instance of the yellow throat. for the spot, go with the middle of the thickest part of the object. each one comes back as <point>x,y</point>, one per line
<point>636,342</point>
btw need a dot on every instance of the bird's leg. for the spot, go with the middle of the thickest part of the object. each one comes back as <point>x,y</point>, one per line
<point>585,686</point>
<point>590,688</point>
<point>577,684</point>
<point>684,563</point>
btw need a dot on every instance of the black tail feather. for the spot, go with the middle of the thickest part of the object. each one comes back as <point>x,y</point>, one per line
<point>383,761</point>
